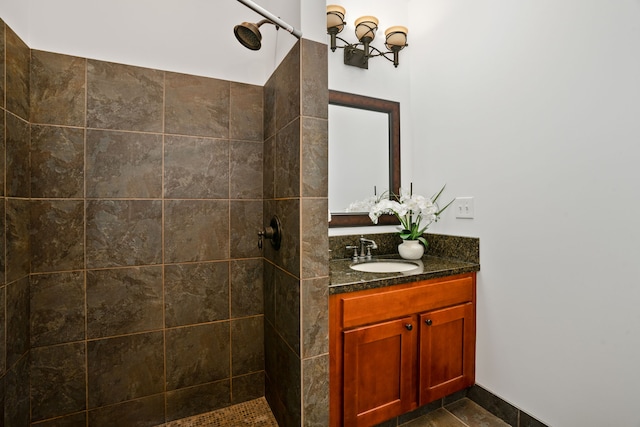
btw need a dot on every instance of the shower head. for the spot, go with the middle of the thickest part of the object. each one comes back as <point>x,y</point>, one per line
<point>248,34</point>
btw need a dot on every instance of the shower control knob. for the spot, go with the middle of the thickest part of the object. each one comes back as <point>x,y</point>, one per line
<point>273,232</point>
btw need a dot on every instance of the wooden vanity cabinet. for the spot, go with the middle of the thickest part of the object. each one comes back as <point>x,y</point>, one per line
<point>378,369</point>
<point>447,351</point>
<point>395,348</point>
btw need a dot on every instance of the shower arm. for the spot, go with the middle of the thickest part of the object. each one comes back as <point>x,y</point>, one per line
<point>271,17</point>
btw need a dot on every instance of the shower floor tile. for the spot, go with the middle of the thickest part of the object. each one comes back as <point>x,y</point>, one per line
<point>254,413</point>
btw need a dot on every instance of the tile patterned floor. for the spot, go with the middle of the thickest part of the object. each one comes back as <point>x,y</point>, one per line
<point>461,413</point>
<point>256,413</point>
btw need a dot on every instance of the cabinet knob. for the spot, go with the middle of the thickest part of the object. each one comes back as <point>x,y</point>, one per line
<point>428,322</point>
<point>409,326</point>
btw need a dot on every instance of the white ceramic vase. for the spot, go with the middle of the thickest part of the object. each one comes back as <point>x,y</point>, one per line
<point>411,249</point>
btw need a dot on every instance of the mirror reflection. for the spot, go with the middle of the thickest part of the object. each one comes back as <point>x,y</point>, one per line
<point>364,155</point>
<point>358,156</point>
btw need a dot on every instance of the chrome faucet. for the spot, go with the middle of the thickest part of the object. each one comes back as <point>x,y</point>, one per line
<point>363,250</point>
<point>366,244</point>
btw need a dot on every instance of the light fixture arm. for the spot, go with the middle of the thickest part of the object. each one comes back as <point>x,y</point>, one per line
<point>333,33</point>
<point>367,51</point>
<point>394,51</point>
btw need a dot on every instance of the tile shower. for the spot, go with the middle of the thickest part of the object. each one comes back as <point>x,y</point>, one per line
<point>132,287</point>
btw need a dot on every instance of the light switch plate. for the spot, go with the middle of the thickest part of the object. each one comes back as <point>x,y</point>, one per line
<point>464,207</point>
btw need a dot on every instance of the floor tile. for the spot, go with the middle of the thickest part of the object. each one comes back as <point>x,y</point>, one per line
<point>254,413</point>
<point>473,415</point>
<point>438,418</point>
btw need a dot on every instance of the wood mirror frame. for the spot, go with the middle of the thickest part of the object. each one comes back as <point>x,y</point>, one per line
<point>392,108</point>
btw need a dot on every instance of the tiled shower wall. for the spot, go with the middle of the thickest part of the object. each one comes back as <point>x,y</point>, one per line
<point>14,234</point>
<point>133,289</point>
<point>296,277</point>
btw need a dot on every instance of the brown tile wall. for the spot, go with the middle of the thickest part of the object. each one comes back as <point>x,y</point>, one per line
<point>128,197</point>
<point>296,277</point>
<point>129,269</point>
<point>14,228</point>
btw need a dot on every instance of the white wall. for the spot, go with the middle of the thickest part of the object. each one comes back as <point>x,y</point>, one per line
<point>533,108</point>
<point>16,15</point>
<point>313,20</point>
<point>381,80</point>
<point>187,36</point>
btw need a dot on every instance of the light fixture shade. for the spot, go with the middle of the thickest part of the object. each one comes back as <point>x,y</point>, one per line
<point>366,27</point>
<point>396,37</point>
<point>335,17</point>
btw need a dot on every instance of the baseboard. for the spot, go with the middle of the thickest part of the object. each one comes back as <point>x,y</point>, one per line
<point>501,408</point>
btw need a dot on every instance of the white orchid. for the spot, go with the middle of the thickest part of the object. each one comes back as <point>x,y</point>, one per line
<point>414,212</point>
<point>364,205</point>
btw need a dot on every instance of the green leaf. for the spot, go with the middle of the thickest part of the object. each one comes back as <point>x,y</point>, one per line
<point>439,192</point>
<point>435,198</point>
<point>423,241</point>
<point>442,210</point>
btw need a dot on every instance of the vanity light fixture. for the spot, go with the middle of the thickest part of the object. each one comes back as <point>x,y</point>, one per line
<point>366,27</point>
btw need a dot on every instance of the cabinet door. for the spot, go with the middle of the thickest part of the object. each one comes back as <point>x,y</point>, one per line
<point>378,371</point>
<point>447,351</point>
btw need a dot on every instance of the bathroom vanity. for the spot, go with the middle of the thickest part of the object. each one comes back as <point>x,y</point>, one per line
<point>399,340</point>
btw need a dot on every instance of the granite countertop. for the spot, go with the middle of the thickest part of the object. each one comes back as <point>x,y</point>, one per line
<point>344,279</point>
<point>445,256</point>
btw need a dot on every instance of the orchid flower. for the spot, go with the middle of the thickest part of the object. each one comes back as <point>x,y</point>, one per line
<point>414,212</point>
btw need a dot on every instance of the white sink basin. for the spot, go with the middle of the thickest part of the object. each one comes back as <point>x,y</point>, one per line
<point>390,266</point>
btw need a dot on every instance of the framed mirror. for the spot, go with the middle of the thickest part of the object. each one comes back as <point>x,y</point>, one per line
<point>364,155</point>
